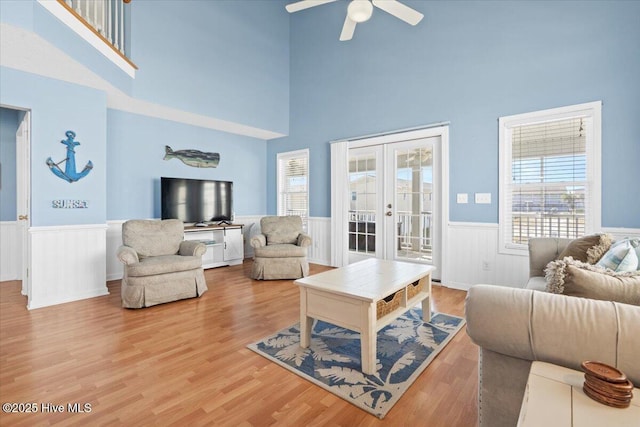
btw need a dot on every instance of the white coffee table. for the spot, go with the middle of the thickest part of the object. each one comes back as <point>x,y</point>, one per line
<point>554,398</point>
<point>349,297</point>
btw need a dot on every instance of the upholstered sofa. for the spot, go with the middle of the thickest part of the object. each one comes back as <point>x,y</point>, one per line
<point>159,265</point>
<point>542,250</point>
<point>280,251</point>
<point>513,327</point>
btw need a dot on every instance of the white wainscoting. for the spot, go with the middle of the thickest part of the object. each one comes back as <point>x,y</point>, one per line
<point>114,240</point>
<point>319,252</point>
<point>67,264</point>
<point>320,232</point>
<point>10,251</point>
<point>473,244</point>
<point>470,247</point>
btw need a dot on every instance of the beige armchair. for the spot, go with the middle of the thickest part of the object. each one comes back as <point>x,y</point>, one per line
<point>160,266</point>
<point>280,252</point>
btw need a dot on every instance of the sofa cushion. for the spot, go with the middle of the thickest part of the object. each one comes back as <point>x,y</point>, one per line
<point>164,264</point>
<point>621,256</point>
<point>280,251</point>
<point>537,283</point>
<point>142,235</point>
<point>281,229</point>
<point>588,248</point>
<point>571,277</point>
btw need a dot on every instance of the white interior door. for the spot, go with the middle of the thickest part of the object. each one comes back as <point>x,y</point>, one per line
<point>23,196</point>
<point>394,201</point>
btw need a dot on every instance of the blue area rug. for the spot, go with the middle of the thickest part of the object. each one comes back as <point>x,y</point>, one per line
<point>404,349</point>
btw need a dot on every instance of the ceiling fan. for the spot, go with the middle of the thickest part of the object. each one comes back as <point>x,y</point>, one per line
<point>361,10</point>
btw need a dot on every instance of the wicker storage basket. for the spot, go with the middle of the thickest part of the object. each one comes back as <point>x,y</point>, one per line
<point>414,289</point>
<point>390,303</point>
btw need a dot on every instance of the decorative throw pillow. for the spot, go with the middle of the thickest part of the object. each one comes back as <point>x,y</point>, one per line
<point>587,249</point>
<point>575,278</point>
<point>621,256</point>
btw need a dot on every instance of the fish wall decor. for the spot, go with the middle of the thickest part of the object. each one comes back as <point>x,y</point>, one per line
<point>195,158</point>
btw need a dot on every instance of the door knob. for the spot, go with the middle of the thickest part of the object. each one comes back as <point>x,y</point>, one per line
<point>388,213</point>
<point>23,217</point>
<point>389,206</point>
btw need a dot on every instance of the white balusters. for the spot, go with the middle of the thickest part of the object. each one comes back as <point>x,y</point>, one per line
<point>105,16</point>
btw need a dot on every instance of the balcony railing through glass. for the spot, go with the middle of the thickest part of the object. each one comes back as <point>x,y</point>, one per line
<point>413,234</point>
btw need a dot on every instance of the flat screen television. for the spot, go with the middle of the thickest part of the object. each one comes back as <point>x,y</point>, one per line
<point>196,200</point>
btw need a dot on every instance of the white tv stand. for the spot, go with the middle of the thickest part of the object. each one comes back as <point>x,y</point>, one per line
<point>225,245</point>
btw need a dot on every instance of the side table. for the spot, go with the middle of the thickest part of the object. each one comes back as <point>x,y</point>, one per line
<point>554,398</point>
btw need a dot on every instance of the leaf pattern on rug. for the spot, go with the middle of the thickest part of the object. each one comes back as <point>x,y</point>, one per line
<point>344,375</point>
<point>333,360</point>
<point>424,335</point>
<point>294,353</point>
<point>406,360</point>
<point>322,352</point>
<point>402,329</point>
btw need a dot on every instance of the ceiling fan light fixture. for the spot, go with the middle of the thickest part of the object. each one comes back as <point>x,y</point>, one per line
<point>360,10</point>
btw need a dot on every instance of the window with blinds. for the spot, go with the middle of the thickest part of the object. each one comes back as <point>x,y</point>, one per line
<point>548,186</point>
<point>293,184</point>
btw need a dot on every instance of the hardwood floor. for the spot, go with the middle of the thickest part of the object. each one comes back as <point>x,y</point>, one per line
<point>186,363</point>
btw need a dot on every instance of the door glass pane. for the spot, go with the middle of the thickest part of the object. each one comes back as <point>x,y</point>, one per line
<point>414,203</point>
<point>363,200</point>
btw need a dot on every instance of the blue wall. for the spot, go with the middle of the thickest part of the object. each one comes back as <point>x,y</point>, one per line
<point>251,62</point>
<point>8,127</point>
<point>226,59</point>
<point>56,107</point>
<point>135,151</point>
<point>468,63</point>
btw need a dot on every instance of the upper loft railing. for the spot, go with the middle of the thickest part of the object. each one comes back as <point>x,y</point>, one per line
<point>106,19</point>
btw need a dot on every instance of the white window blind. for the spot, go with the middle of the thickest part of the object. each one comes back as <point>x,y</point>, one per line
<point>548,180</point>
<point>293,184</point>
<point>550,174</point>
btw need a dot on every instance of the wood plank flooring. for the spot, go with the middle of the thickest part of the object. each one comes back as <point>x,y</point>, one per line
<point>186,363</point>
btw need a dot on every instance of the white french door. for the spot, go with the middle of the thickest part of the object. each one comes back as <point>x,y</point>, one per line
<point>366,203</point>
<point>394,201</point>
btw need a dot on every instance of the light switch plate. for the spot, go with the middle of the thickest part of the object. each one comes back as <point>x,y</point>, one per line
<point>462,198</point>
<point>483,198</point>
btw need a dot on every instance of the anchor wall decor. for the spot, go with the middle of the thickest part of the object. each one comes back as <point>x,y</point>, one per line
<point>69,174</point>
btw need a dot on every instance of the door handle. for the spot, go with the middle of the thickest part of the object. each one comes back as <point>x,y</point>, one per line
<point>23,217</point>
<point>389,213</point>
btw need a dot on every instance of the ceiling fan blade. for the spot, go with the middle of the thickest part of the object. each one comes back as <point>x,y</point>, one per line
<point>399,10</point>
<point>305,4</point>
<point>348,29</point>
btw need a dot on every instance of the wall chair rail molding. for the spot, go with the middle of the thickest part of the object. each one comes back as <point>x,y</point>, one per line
<point>621,233</point>
<point>68,263</point>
